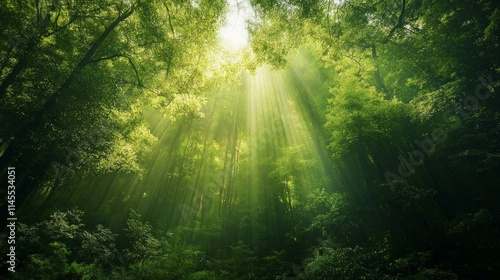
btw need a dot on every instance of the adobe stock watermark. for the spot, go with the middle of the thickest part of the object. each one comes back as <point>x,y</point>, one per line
<point>427,146</point>
<point>11,219</point>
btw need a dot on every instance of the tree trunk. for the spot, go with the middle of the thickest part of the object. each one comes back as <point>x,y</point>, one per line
<point>8,156</point>
<point>20,65</point>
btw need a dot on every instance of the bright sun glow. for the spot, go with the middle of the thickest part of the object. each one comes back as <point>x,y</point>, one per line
<point>234,34</point>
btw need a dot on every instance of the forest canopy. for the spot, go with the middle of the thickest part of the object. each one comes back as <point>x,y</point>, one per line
<point>250,139</point>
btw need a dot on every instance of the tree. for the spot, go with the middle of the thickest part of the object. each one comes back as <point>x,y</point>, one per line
<point>70,100</point>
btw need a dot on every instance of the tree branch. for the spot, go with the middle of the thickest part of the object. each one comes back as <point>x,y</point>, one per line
<point>398,25</point>
<point>106,58</point>
<point>132,64</point>
<point>118,55</point>
<point>62,27</point>
<point>169,19</point>
<point>90,53</point>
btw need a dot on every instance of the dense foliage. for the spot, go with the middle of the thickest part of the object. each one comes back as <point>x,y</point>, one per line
<point>354,140</point>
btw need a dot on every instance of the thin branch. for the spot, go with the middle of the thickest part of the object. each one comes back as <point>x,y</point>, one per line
<point>151,90</point>
<point>169,19</point>
<point>118,55</point>
<point>132,64</point>
<point>358,62</point>
<point>398,25</point>
<point>106,58</point>
<point>139,82</point>
<point>62,27</point>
